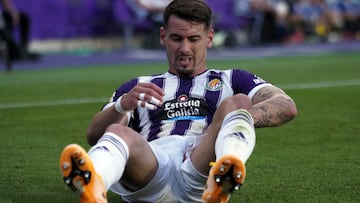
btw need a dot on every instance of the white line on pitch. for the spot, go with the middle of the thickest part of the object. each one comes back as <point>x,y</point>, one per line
<point>53,103</point>
<point>324,84</point>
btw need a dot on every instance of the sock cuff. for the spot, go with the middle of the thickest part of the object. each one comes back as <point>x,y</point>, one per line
<point>117,142</point>
<point>238,114</point>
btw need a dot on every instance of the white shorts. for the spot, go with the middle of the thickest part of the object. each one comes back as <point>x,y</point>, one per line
<point>176,179</point>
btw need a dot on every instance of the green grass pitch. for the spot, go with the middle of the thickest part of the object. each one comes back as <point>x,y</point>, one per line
<point>314,158</point>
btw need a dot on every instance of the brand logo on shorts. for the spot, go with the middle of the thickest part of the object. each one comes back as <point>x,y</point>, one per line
<point>214,84</point>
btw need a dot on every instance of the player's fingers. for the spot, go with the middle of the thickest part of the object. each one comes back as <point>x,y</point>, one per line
<point>151,99</point>
<point>155,101</point>
<point>142,96</point>
<point>146,105</point>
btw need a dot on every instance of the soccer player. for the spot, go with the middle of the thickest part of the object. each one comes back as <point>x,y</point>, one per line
<point>154,140</point>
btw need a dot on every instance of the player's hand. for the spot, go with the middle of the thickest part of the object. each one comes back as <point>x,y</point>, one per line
<point>145,95</point>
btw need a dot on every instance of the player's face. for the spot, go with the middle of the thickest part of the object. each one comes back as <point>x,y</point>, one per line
<point>186,45</point>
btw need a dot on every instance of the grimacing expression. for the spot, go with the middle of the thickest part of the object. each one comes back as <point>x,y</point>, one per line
<point>186,45</point>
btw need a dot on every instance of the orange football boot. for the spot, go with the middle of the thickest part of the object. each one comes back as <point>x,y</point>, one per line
<point>226,175</point>
<point>79,174</point>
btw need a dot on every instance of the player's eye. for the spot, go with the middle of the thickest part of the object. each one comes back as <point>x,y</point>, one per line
<point>176,38</point>
<point>194,39</point>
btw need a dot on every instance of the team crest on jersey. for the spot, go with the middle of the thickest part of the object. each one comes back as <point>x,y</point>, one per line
<point>214,84</point>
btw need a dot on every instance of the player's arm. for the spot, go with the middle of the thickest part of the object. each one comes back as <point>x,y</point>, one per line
<point>142,95</point>
<point>272,107</point>
<point>101,121</point>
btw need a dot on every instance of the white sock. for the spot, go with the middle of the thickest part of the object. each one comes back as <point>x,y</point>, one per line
<point>236,136</point>
<point>109,157</point>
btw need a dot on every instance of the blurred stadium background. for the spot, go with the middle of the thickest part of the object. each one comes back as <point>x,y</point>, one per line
<point>89,47</point>
<point>75,29</point>
<point>69,25</point>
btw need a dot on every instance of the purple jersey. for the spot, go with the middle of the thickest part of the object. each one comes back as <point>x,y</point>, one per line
<point>189,103</point>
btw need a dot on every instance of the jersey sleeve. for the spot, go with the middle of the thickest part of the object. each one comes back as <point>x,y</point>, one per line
<point>247,83</point>
<point>124,88</point>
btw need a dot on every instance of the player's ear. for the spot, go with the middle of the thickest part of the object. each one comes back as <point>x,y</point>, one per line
<point>210,37</point>
<point>162,35</point>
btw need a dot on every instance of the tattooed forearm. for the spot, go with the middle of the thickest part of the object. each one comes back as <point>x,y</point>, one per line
<point>266,93</point>
<point>261,116</point>
<point>272,107</point>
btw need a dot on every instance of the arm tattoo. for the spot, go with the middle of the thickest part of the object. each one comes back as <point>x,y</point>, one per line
<point>271,107</point>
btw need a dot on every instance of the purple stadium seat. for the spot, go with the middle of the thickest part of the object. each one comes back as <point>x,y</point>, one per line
<point>82,18</point>
<point>127,21</point>
<point>224,15</point>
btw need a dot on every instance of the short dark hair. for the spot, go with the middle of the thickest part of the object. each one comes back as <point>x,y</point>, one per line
<point>190,10</point>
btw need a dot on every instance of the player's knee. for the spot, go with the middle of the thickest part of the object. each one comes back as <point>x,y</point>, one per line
<point>126,133</point>
<point>238,101</point>
<point>243,101</point>
<point>119,129</point>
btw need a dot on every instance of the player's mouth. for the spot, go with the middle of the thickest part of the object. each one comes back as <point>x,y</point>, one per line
<point>184,61</point>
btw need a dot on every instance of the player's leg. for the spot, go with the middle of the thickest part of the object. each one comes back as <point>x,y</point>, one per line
<point>204,153</point>
<point>230,141</point>
<point>6,33</point>
<point>234,145</point>
<point>119,154</point>
<point>24,31</point>
<point>142,164</point>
